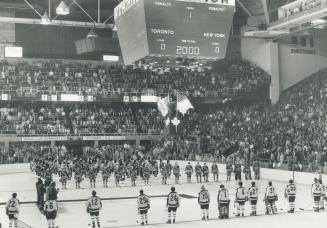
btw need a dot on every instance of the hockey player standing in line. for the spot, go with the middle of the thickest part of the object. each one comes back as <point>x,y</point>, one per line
<point>215,171</point>
<point>189,171</point>
<point>223,202</point>
<point>117,174</point>
<point>143,205</point>
<point>64,177</point>
<point>323,195</point>
<point>198,173</point>
<point>247,171</point>
<point>253,195</point>
<point>172,204</point>
<point>270,199</point>
<point>256,170</point>
<point>238,171</point>
<point>177,172</point>
<point>164,174</point>
<point>93,206</point>
<point>50,211</point>
<point>241,198</point>
<point>168,169</point>
<point>316,194</point>
<point>92,175</point>
<point>229,170</point>
<point>12,210</point>
<point>105,171</point>
<point>133,175</point>
<point>78,177</point>
<point>204,201</point>
<point>290,193</point>
<point>146,174</point>
<point>205,171</point>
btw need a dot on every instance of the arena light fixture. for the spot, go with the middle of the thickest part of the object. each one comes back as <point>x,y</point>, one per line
<point>45,20</point>
<point>92,34</point>
<point>62,9</point>
<point>111,58</point>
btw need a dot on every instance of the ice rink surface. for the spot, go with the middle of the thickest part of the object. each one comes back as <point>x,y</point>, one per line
<point>119,205</point>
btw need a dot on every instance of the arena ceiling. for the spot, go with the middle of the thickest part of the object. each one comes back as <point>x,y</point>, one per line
<point>245,8</point>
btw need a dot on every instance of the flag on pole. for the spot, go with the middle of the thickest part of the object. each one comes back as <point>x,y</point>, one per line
<point>183,103</point>
<point>163,106</point>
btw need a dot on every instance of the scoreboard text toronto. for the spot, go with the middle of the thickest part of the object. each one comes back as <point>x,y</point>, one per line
<point>174,28</point>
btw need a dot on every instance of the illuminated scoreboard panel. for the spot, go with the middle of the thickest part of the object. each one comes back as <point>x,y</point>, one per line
<point>174,28</point>
<point>188,29</point>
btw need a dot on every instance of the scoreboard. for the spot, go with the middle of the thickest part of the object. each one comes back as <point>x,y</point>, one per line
<point>197,29</point>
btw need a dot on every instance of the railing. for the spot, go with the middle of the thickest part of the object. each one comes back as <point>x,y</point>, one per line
<point>36,92</point>
<point>80,134</point>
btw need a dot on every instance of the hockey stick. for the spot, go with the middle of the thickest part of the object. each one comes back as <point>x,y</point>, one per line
<point>306,207</point>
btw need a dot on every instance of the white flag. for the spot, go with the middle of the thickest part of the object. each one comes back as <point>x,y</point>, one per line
<point>183,104</point>
<point>163,106</point>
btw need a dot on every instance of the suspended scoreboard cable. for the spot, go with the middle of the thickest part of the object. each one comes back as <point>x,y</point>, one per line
<point>197,29</point>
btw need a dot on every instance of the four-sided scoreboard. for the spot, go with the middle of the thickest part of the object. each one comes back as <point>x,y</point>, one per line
<point>197,29</point>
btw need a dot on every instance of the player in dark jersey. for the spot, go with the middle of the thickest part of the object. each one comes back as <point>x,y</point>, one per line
<point>105,174</point>
<point>229,170</point>
<point>78,177</point>
<point>172,204</point>
<point>177,173</point>
<point>215,171</point>
<point>146,174</point>
<point>198,173</point>
<point>64,177</point>
<point>164,174</point>
<point>117,176</point>
<point>205,171</point>
<point>188,172</point>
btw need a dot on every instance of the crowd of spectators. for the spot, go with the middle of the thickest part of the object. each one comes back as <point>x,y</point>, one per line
<point>294,131</point>
<point>291,132</point>
<point>56,77</point>
<point>300,7</point>
<point>32,119</point>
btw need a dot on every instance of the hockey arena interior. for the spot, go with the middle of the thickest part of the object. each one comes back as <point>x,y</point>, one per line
<point>163,113</point>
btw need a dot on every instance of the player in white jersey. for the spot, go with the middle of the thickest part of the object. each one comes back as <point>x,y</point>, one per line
<point>50,211</point>
<point>316,194</point>
<point>253,197</point>
<point>172,204</point>
<point>323,195</point>
<point>223,202</point>
<point>290,193</point>
<point>143,205</point>
<point>270,199</point>
<point>12,210</point>
<point>241,198</point>
<point>204,201</point>
<point>93,206</point>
